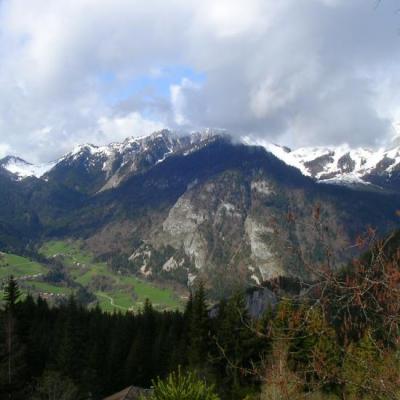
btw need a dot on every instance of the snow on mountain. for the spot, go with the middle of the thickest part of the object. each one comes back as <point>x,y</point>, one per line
<point>93,168</point>
<point>164,141</point>
<point>107,166</point>
<point>23,169</point>
<point>340,164</point>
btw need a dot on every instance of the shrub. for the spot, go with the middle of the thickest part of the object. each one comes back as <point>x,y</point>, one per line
<point>182,386</point>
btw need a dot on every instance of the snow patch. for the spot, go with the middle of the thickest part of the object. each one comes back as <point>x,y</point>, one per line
<point>23,169</point>
<point>341,165</point>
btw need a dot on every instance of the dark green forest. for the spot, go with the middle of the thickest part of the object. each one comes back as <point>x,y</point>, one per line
<point>338,339</point>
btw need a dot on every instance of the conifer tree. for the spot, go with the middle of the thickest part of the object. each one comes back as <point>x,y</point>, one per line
<point>12,354</point>
<point>54,386</point>
<point>314,351</point>
<point>199,330</point>
<point>139,365</point>
<point>237,346</point>
<point>11,294</point>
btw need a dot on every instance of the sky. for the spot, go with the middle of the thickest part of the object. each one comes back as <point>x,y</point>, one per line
<point>294,72</point>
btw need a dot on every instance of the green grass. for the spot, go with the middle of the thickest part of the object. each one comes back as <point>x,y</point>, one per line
<point>27,272</point>
<point>11,264</point>
<point>71,251</point>
<point>44,287</point>
<point>128,292</point>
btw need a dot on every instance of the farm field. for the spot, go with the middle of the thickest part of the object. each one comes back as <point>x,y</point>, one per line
<point>114,292</point>
<point>44,287</point>
<point>29,275</point>
<point>11,264</point>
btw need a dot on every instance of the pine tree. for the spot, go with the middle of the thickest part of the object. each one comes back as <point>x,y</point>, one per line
<point>11,294</point>
<point>199,330</point>
<point>314,351</point>
<point>71,347</point>
<point>54,386</point>
<point>180,354</point>
<point>12,354</point>
<point>237,346</point>
<point>139,365</point>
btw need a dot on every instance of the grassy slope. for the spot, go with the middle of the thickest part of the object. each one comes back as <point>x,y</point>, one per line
<point>28,273</point>
<point>11,264</point>
<point>127,292</point>
<point>45,287</point>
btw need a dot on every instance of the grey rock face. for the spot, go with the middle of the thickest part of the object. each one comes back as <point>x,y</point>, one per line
<point>318,165</point>
<point>346,163</point>
<point>259,301</point>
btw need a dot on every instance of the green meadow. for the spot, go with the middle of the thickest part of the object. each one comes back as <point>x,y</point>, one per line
<point>115,292</point>
<point>11,264</point>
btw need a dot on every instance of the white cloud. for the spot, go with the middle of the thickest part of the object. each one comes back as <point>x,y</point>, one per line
<point>178,100</point>
<point>4,149</point>
<point>295,71</point>
<point>118,128</point>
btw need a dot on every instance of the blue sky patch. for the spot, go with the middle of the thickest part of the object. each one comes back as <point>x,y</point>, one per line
<point>156,83</point>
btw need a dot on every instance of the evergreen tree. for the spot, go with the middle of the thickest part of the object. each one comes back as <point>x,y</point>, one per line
<point>54,386</point>
<point>314,352</point>
<point>237,346</point>
<point>139,365</point>
<point>11,294</point>
<point>12,354</point>
<point>199,330</point>
<point>71,350</point>
<point>180,355</point>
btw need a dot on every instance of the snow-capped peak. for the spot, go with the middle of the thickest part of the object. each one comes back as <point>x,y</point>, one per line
<point>339,164</point>
<point>114,163</point>
<point>23,169</point>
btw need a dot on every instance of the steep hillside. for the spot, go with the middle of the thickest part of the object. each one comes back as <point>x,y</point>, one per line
<point>228,214</point>
<point>18,221</point>
<point>90,169</point>
<point>221,213</point>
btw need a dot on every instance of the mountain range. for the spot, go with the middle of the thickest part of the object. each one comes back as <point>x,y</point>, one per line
<point>341,165</point>
<point>185,207</point>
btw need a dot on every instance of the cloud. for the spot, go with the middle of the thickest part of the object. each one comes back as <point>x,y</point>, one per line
<point>311,77</point>
<point>4,149</point>
<point>129,125</point>
<point>292,71</point>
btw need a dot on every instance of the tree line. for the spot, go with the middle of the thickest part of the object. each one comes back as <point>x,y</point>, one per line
<point>337,339</point>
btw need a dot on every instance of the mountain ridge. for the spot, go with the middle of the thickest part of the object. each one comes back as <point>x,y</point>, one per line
<point>344,165</point>
<point>214,210</point>
<point>341,165</point>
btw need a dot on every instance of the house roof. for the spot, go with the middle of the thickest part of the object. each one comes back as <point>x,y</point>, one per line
<point>130,393</point>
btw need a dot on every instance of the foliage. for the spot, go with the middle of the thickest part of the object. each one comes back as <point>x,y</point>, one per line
<point>342,339</point>
<point>11,293</point>
<point>182,386</point>
<point>53,386</point>
<point>333,338</point>
<point>88,348</point>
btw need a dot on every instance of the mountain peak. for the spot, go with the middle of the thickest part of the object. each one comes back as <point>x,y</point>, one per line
<point>342,164</point>
<point>94,168</point>
<point>107,166</point>
<point>22,169</point>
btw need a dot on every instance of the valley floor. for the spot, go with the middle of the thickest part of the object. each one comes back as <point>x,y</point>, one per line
<point>69,269</point>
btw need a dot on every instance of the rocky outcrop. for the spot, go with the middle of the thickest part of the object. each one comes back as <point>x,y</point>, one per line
<point>259,301</point>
